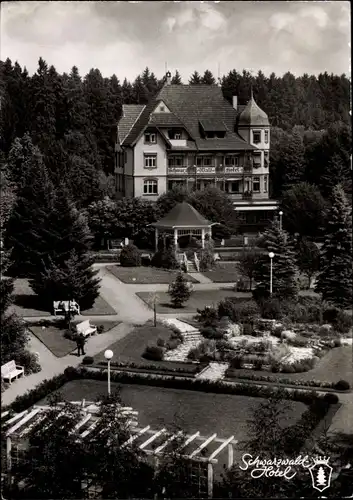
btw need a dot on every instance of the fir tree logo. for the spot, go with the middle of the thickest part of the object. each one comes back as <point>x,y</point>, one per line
<point>321,473</point>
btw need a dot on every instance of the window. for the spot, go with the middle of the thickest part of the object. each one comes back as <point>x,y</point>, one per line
<point>150,138</point>
<point>235,187</point>
<point>162,109</point>
<point>150,186</point>
<point>265,184</point>
<point>177,136</point>
<point>266,136</point>
<point>150,161</point>
<point>231,161</point>
<point>256,184</point>
<point>256,136</point>
<point>257,159</point>
<point>175,161</point>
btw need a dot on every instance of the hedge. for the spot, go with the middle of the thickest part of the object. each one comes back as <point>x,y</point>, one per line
<point>189,368</point>
<point>22,403</point>
<point>342,385</point>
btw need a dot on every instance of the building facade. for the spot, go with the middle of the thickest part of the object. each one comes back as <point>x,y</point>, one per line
<point>190,136</point>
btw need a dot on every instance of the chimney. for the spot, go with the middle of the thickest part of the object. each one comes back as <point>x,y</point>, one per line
<point>235,101</point>
<point>168,77</point>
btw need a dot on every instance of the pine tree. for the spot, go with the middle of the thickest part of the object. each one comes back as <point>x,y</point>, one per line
<point>195,78</point>
<point>176,79</point>
<point>22,158</point>
<point>179,291</point>
<point>208,78</point>
<point>284,269</point>
<point>335,278</point>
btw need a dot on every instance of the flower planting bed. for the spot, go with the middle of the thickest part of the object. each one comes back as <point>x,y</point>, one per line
<point>145,275</point>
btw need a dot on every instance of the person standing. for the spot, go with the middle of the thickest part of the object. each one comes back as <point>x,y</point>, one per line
<point>80,342</point>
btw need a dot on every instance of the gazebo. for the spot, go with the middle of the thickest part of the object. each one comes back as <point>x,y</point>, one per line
<point>183,219</point>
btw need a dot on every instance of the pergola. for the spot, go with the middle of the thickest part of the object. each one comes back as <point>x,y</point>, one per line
<point>183,219</point>
<point>152,442</point>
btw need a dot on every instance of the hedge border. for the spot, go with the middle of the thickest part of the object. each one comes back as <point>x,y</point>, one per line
<point>148,367</point>
<point>48,386</point>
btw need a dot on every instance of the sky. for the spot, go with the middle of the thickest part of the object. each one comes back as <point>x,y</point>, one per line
<point>123,38</point>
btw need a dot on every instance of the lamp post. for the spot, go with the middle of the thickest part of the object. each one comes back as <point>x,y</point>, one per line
<point>271,255</point>
<point>108,356</point>
<point>280,220</point>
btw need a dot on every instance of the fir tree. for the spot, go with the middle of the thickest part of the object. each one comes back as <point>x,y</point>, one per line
<point>208,78</point>
<point>284,269</point>
<point>335,278</point>
<point>176,80</point>
<point>179,290</point>
<point>195,78</point>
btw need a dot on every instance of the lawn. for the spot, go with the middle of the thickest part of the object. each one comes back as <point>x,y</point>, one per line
<point>145,275</point>
<point>27,304</point>
<point>53,337</point>
<point>190,410</point>
<point>223,273</point>
<point>130,348</point>
<point>198,300</point>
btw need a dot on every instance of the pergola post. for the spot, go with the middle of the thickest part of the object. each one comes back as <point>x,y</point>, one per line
<point>230,455</point>
<point>203,237</point>
<point>156,239</point>
<point>209,480</point>
<point>8,461</point>
<point>176,238</point>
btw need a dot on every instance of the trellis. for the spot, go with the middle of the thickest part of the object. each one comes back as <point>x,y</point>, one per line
<point>19,426</point>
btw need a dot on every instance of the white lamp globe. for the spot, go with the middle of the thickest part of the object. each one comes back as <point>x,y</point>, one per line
<point>271,255</point>
<point>108,354</point>
<point>281,213</point>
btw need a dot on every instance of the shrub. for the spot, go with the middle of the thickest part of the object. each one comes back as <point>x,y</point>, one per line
<point>342,385</point>
<point>130,256</point>
<point>270,309</point>
<point>331,398</point>
<point>330,314</point>
<point>298,341</point>
<point>275,366</point>
<point>173,343</point>
<point>211,333</point>
<point>194,354</point>
<point>248,329</point>
<point>236,362</point>
<point>207,316</point>
<point>258,364</point>
<point>153,352</point>
<point>100,329</point>
<point>207,257</point>
<point>237,311</point>
<point>165,259</point>
<point>160,342</point>
<point>29,361</point>
<point>278,330</point>
<point>343,322</point>
<point>88,360</point>
<point>288,368</point>
<point>337,342</point>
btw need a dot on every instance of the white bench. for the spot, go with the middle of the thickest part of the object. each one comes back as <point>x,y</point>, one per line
<point>62,306</point>
<point>86,328</point>
<point>10,370</point>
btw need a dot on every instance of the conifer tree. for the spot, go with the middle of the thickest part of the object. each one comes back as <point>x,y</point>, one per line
<point>284,269</point>
<point>176,80</point>
<point>208,78</point>
<point>195,78</point>
<point>179,290</point>
<point>335,278</point>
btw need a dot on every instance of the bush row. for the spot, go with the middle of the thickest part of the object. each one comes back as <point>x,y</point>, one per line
<point>32,397</point>
<point>189,368</point>
<point>341,385</point>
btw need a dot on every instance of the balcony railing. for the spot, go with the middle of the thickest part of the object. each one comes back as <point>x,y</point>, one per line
<point>209,170</point>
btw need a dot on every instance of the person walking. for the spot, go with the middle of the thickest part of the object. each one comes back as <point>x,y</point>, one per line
<point>80,342</point>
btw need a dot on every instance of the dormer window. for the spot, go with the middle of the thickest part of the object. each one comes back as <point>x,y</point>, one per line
<point>150,138</point>
<point>174,134</point>
<point>256,136</point>
<point>177,136</point>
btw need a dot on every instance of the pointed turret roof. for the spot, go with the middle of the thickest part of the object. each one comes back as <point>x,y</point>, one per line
<point>182,215</point>
<point>252,115</point>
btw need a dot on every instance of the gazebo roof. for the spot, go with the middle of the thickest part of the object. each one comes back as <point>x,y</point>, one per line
<point>182,215</point>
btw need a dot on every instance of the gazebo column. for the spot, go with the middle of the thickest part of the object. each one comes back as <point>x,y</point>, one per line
<point>203,237</point>
<point>176,238</point>
<point>156,239</point>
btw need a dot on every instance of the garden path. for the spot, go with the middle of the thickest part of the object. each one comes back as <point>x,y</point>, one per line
<point>201,278</point>
<point>52,366</point>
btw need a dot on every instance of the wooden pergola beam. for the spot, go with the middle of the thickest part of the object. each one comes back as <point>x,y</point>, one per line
<point>169,440</point>
<point>221,447</point>
<point>137,435</point>
<point>152,438</point>
<point>19,424</point>
<point>203,445</point>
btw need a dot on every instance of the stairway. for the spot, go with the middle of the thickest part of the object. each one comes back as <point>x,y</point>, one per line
<point>191,339</point>
<point>192,267</point>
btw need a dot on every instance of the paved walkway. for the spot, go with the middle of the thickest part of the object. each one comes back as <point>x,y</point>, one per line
<point>52,366</point>
<point>201,278</point>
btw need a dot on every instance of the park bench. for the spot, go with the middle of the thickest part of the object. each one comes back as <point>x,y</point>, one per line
<point>62,306</point>
<point>10,370</point>
<point>86,328</point>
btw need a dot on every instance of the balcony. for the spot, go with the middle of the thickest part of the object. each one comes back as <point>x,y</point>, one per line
<point>178,142</point>
<point>178,170</point>
<point>206,170</point>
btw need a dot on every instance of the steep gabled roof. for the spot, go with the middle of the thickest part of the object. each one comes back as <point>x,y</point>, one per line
<point>131,112</point>
<point>190,105</point>
<point>182,215</point>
